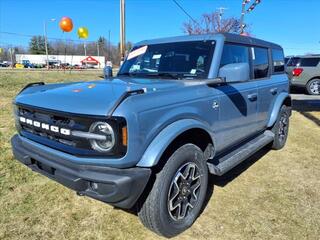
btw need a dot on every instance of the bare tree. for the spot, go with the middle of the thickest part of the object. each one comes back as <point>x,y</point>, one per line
<point>212,23</point>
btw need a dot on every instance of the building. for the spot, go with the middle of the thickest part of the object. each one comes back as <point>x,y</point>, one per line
<point>93,61</point>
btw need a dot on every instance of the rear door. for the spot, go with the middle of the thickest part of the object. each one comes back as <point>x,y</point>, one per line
<point>269,73</point>
<point>238,100</point>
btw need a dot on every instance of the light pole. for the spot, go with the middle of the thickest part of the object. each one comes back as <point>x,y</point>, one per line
<point>244,11</point>
<point>122,29</point>
<point>46,38</point>
<point>221,12</point>
<point>109,45</point>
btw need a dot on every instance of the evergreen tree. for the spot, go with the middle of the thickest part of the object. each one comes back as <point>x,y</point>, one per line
<point>37,45</point>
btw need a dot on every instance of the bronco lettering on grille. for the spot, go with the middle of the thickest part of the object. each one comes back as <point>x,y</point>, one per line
<point>45,126</point>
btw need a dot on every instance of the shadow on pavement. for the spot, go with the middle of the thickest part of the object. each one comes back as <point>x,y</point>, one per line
<point>306,105</point>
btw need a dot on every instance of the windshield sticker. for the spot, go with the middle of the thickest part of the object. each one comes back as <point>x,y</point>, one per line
<point>156,56</point>
<point>137,52</point>
<point>193,71</point>
<point>135,67</point>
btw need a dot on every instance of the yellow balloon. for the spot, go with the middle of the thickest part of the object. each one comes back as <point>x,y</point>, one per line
<point>83,32</point>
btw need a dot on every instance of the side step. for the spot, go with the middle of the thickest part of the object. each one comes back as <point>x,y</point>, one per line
<point>240,154</point>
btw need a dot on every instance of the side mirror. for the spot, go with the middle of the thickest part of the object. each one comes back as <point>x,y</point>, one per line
<point>107,72</point>
<point>235,72</point>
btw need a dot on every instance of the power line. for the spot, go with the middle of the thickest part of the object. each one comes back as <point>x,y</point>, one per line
<point>185,12</point>
<point>51,38</point>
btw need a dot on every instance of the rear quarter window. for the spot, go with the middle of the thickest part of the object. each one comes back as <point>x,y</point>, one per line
<point>260,62</point>
<point>303,62</point>
<point>278,61</point>
<point>309,62</point>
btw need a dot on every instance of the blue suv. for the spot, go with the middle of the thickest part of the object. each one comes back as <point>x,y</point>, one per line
<point>179,109</point>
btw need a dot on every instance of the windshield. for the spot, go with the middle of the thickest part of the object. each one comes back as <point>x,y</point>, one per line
<point>176,60</point>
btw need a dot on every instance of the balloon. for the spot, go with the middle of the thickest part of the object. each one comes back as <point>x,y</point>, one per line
<point>66,24</point>
<point>83,32</point>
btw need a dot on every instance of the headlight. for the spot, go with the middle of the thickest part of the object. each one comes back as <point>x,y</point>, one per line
<point>103,129</point>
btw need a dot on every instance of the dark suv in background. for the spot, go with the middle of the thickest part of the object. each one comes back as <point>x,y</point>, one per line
<point>304,71</point>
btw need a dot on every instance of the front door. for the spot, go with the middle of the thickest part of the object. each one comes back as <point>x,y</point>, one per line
<point>238,112</point>
<point>238,100</point>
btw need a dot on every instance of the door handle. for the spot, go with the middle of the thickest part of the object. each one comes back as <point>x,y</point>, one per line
<point>253,97</point>
<point>274,91</point>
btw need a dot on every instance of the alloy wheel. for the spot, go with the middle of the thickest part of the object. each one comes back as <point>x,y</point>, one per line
<point>315,87</point>
<point>184,191</point>
<point>283,127</point>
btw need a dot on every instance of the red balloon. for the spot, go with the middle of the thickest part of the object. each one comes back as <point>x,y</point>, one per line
<point>66,24</point>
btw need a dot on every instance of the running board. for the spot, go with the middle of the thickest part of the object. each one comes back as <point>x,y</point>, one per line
<point>240,154</point>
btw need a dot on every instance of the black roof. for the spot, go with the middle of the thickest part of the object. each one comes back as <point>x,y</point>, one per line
<point>236,38</point>
<point>229,37</point>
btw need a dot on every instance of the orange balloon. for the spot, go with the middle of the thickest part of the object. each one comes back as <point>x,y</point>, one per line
<point>66,24</point>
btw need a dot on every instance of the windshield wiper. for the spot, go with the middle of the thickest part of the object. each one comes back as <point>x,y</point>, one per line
<point>165,74</point>
<point>130,74</point>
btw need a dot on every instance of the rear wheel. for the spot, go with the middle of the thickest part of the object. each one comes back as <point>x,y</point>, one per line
<point>281,128</point>
<point>313,87</point>
<point>178,193</point>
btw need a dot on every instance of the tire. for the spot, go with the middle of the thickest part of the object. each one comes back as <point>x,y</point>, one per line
<point>171,186</point>
<point>313,87</point>
<point>281,129</point>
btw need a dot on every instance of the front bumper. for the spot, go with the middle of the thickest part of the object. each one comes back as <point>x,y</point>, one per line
<point>118,187</point>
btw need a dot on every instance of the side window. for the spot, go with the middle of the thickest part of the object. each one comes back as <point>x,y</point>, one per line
<point>309,62</point>
<point>260,62</point>
<point>234,54</point>
<point>278,60</point>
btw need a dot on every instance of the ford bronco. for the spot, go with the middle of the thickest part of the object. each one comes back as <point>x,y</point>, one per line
<point>179,109</point>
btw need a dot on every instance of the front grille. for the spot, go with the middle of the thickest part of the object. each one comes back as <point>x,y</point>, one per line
<point>73,122</point>
<point>56,140</point>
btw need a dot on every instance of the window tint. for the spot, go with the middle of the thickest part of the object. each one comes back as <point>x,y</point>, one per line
<point>293,61</point>
<point>260,62</point>
<point>278,60</point>
<point>234,54</point>
<point>303,62</point>
<point>286,60</point>
<point>309,62</point>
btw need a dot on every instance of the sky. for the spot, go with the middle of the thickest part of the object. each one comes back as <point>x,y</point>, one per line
<point>294,24</point>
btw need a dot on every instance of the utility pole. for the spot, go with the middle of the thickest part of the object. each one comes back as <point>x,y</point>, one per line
<point>11,50</point>
<point>46,39</point>
<point>221,12</point>
<point>122,30</point>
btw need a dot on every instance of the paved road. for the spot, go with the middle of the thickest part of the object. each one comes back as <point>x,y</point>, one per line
<point>303,102</point>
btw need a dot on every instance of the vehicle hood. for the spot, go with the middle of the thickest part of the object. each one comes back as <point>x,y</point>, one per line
<point>89,98</point>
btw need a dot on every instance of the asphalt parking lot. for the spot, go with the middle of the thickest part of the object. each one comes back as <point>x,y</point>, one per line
<point>303,102</point>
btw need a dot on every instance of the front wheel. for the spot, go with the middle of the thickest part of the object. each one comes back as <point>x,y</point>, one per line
<point>178,193</point>
<point>281,128</point>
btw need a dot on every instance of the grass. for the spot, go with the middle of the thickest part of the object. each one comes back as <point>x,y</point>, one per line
<point>273,195</point>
